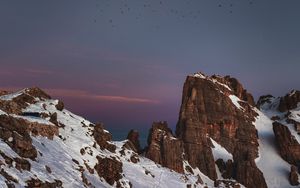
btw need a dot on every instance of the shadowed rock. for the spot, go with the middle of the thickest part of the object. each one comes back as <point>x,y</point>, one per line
<point>163,148</point>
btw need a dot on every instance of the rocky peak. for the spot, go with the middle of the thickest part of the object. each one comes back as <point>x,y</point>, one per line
<point>36,92</point>
<point>15,102</point>
<point>133,137</point>
<point>163,148</point>
<point>220,108</point>
<point>289,101</point>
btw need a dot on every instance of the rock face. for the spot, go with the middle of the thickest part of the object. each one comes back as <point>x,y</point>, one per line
<point>288,146</point>
<point>289,101</point>
<point>164,148</point>
<point>21,101</point>
<point>208,111</point>
<point>133,137</point>
<point>293,177</point>
<point>16,135</point>
<point>110,169</point>
<point>238,89</point>
<point>103,137</point>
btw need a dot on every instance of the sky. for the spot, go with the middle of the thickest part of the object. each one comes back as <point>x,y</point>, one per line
<point>124,62</point>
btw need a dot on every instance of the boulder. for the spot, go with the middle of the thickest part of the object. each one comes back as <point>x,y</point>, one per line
<point>60,105</point>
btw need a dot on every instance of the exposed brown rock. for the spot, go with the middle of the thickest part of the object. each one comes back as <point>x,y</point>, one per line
<point>164,148</point>
<point>110,169</point>
<point>37,183</point>
<point>289,101</point>
<point>102,138</point>
<point>28,96</point>
<point>22,164</point>
<point>227,169</point>
<point>239,90</point>
<point>206,111</point>
<point>288,146</point>
<point>4,93</point>
<point>60,105</point>
<point>293,177</point>
<point>53,119</point>
<point>37,92</point>
<point>133,136</point>
<point>16,135</point>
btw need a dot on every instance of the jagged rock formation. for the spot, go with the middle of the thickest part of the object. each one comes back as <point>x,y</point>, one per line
<point>103,137</point>
<point>164,148</point>
<point>288,146</point>
<point>133,137</point>
<point>219,130</point>
<point>45,145</point>
<point>289,101</point>
<point>210,108</point>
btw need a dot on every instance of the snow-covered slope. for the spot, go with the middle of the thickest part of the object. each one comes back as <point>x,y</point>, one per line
<point>62,158</point>
<point>74,152</point>
<point>276,170</point>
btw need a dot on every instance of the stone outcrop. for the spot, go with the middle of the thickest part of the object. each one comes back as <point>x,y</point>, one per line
<point>37,183</point>
<point>103,137</point>
<point>239,90</point>
<point>289,101</point>
<point>133,137</point>
<point>206,110</point>
<point>60,105</point>
<point>110,169</point>
<point>293,177</point>
<point>21,101</point>
<point>288,146</point>
<point>163,148</point>
<point>16,135</point>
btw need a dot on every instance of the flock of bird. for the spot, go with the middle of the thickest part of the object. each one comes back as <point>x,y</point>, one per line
<point>155,6</point>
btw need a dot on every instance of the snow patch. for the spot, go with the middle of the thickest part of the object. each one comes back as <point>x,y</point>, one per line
<point>221,84</point>
<point>11,96</point>
<point>199,75</point>
<point>219,152</point>
<point>235,100</point>
<point>2,112</point>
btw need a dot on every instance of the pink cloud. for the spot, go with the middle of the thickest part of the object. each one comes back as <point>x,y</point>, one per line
<point>84,94</point>
<point>73,93</point>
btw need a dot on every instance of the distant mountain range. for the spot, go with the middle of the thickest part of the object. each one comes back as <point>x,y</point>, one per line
<point>222,139</point>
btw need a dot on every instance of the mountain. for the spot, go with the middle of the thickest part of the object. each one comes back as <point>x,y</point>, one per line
<point>222,139</point>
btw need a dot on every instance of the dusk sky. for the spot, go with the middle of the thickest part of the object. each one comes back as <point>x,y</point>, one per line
<point>124,62</point>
